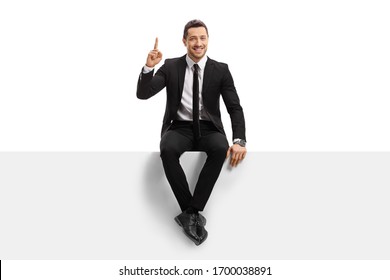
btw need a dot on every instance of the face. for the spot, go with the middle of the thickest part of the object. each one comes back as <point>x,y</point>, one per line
<point>196,43</point>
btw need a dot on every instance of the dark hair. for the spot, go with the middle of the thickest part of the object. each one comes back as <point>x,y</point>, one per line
<point>194,23</point>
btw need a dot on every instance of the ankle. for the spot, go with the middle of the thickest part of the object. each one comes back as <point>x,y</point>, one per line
<point>191,210</point>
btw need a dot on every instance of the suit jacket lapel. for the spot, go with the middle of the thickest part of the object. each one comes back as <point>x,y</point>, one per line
<point>181,74</point>
<point>207,74</point>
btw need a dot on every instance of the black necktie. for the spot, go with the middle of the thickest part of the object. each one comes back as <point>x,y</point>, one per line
<point>195,103</point>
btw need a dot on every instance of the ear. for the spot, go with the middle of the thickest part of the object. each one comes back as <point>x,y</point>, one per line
<point>184,42</point>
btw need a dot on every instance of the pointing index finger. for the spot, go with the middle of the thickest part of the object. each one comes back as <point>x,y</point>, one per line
<point>156,44</point>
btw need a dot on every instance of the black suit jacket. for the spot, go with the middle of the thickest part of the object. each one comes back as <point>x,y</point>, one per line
<point>217,81</point>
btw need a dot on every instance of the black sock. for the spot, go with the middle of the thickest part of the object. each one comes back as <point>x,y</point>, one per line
<point>191,210</point>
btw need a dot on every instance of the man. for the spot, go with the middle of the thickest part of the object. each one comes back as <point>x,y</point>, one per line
<point>192,122</point>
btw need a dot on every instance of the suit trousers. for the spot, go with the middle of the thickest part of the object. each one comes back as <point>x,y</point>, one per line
<point>179,139</point>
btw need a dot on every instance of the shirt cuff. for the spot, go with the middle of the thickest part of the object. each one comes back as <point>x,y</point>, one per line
<point>147,69</point>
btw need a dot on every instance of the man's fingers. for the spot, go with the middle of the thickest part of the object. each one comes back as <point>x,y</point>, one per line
<point>237,155</point>
<point>228,153</point>
<point>233,160</point>
<point>155,54</point>
<point>156,44</point>
<point>236,158</point>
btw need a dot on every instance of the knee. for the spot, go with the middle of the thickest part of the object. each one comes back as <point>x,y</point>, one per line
<point>220,150</point>
<point>168,152</point>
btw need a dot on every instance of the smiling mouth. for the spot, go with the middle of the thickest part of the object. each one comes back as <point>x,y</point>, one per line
<point>198,49</point>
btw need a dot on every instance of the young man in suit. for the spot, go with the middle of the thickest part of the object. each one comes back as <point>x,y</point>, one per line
<point>192,122</point>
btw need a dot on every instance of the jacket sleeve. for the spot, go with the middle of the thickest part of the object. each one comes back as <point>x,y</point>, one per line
<point>149,84</point>
<point>232,102</point>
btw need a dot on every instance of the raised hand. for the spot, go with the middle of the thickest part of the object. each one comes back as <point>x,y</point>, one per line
<point>154,56</point>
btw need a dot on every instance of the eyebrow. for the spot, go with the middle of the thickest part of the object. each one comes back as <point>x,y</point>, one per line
<point>201,36</point>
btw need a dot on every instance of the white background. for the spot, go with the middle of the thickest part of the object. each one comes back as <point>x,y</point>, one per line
<point>311,75</point>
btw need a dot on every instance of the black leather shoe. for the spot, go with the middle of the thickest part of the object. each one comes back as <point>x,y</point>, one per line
<point>202,233</point>
<point>201,220</point>
<point>190,224</point>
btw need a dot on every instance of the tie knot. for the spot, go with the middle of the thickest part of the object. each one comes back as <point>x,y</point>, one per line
<point>196,67</point>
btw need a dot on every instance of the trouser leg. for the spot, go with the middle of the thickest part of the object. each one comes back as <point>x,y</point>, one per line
<point>173,144</point>
<point>215,145</point>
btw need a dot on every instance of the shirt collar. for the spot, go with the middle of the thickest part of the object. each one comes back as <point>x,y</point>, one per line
<point>201,63</point>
